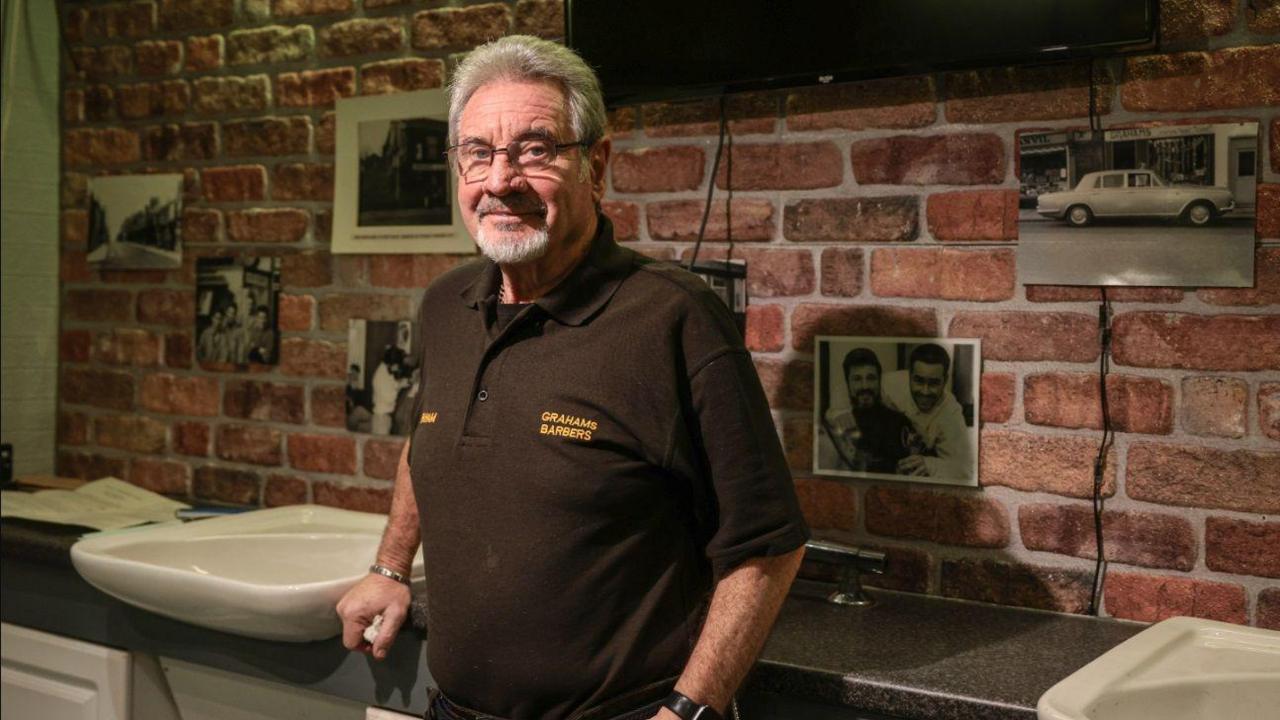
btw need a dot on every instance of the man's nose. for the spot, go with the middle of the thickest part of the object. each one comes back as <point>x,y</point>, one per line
<point>504,177</point>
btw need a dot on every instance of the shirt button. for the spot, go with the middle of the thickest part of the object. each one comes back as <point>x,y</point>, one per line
<point>482,395</point>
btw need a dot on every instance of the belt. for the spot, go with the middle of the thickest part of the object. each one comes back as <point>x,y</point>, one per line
<point>639,704</point>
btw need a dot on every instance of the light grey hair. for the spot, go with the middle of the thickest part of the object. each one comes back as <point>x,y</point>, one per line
<point>526,58</point>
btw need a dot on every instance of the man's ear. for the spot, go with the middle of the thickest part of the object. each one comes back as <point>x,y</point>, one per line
<point>599,161</point>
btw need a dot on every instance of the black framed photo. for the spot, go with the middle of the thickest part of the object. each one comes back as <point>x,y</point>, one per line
<point>237,307</point>
<point>383,377</point>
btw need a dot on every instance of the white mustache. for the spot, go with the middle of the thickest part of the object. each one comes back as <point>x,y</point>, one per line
<point>524,204</point>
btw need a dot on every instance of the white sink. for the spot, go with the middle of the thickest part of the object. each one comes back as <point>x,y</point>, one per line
<point>272,574</point>
<point>1179,669</point>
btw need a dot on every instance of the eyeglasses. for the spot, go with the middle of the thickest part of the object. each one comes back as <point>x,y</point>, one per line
<point>473,159</point>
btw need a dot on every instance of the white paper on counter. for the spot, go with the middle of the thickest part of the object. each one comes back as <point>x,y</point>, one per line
<point>106,504</point>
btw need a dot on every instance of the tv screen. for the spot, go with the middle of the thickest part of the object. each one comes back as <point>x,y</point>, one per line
<point>669,49</point>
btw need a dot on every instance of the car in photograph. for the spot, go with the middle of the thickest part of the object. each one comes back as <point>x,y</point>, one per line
<point>1134,194</point>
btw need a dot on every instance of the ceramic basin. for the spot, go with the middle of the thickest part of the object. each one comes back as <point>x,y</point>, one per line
<point>1179,669</point>
<point>272,574</point>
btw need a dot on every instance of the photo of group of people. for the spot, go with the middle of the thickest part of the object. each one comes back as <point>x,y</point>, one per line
<point>236,304</point>
<point>383,377</point>
<point>897,408</point>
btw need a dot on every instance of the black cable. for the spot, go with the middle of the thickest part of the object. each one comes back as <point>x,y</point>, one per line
<point>711,188</point>
<point>1095,121</point>
<point>1100,463</point>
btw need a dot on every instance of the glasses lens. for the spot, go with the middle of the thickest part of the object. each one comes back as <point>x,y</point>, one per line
<point>535,153</point>
<point>474,160</point>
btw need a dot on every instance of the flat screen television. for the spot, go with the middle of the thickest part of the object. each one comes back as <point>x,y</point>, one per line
<point>671,49</point>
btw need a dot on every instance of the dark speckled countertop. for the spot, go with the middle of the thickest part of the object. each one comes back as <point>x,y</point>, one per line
<point>909,656</point>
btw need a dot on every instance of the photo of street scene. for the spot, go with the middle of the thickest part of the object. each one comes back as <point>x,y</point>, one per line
<point>897,409</point>
<point>382,377</point>
<point>135,222</point>
<point>1156,204</point>
<point>404,174</point>
<point>237,301</point>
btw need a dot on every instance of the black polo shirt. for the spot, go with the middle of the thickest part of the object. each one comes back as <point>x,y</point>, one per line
<point>582,473</point>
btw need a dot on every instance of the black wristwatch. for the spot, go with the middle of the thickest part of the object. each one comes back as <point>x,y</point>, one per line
<point>686,709</point>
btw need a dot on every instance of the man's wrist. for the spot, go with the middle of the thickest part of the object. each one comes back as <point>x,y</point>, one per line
<point>384,571</point>
<point>687,708</point>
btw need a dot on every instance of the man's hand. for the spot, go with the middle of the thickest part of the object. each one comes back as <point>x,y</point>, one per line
<point>372,596</point>
<point>913,465</point>
<point>665,714</point>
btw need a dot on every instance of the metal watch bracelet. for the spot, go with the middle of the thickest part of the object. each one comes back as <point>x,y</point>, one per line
<point>388,572</point>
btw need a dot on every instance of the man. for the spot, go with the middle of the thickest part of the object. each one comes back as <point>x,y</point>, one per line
<point>594,449</point>
<point>920,392</point>
<point>867,436</point>
<point>387,382</point>
<point>260,340</point>
<point>210,346</point>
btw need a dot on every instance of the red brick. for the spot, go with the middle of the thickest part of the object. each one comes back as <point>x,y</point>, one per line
<point>1044,588</point>
<point>1151,598</point>
<point>204,53</point>
<point>158,57</point>
<point>75,26</point>
<point>1204,477</point>
<point>73,267</point>
<point>167,307</point>
<point>620,122</point>
<point>680,219</point>
<point>1274,133</point>
<point>811,319</point>
<point>177,350</point>
<point>328,406</point>
<point>267,136</point>
<point>73,428</point>
<point>783,166</point>
<point>73,228</point>
<point>866,219</point>
<point>313,358</point>
<point>1197,342</point>
<point>303,181</point>
<point>89,467</point>
<point>201,225</point>
<point>267,225</point>
<point>1269,409</point>
<point>460,28</point>
<point>391,76</point>
<point>295,313</point>
<point>382,457</point>
<point>133,433</point>
<point>270,45</point>
<point>1130,537</point>
<point>1263,17</point>
<point>75,190</point>
<point>765,328</point>
<point>788,384</point>
<point>1242,547</point>
<point>284,490</point>
<point>889,103</point>
<point>100,146</point>
<point>1195,19</point>
<point>73,109</point>
<point>998,390</point>
<point>231,94</point>
<point>289,8</point>
<point>161,476</point>
<point>1266,286</point>
<point>74,345</point>
<point>1215,406</point>
<point>104,63</point>
<point>625,217</point>
<point>770,272</point>
<point>152,99</point>
<point>315,88</point>
<point>973,215</point>
<point>1037,92</point>
<point>362,36</point>
<point>1072,293</point>
<point>196,14</point>
<point>253,400</point>
<point>190,141</point>
<point>249,443</point>
<point>542,18</point>
<point>1033,463</point>
<point>1016,335</point>
<point>827,504</point>
<point>337,310</point>
<point>240,487</point>
<point>180,394</point>
<point>746,113</point>
<point>1269,598</point>
<point>972,521</point>
<point>234,183</point>
<point>99,102</point>
<point>323,453</point>
<point>661,169</point>
<point>353,497</point>
<point>121,20</point>
<point>841,271</point>
<point>955,159</point>
<point>127,347</point>
<point>1268,222</point>
<point>1227,78</point>
<point>98,305</point>
<point>1072,400</point>
<point>977,275</point>
<point>191,438</point>
<point>325,133</point>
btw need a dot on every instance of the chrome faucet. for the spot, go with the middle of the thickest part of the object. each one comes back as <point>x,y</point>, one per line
<point>852,562</point>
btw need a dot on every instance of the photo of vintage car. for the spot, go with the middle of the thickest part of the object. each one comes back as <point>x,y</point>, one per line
<point>1134,194</point>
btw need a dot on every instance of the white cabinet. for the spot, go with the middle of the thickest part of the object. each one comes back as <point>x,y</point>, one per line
<point>49,677</point>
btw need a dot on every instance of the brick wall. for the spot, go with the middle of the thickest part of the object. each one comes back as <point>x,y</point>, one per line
<point>880,208</point>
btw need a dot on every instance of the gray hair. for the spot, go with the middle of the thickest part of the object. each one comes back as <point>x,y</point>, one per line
<point>527,58</point>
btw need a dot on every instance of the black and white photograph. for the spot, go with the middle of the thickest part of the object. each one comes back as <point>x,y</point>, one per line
<point>897,409</point>
<point>394,189</point>
<point>1165,204</point>
<point>237,304</point>
<point>383,377</point>
<point>135,222</point>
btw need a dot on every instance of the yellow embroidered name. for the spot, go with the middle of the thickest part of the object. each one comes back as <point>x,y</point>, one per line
<point>570,427</point>
<point>428,418</point>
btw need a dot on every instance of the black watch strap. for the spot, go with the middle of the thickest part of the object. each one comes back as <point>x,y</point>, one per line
<point>686,709</point>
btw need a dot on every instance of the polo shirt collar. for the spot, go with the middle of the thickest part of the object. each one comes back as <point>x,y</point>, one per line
<point>579,296</point>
